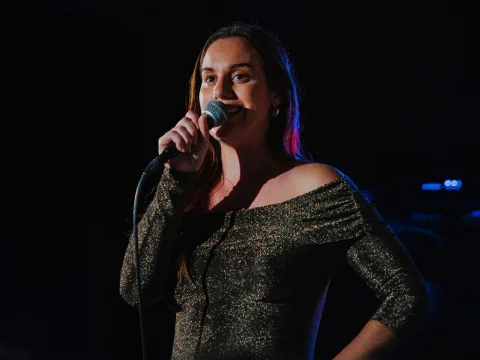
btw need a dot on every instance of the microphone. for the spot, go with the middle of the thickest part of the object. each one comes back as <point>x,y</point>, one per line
<point>217,114</point>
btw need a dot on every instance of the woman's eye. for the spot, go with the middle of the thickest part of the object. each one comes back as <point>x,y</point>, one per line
<point>240,77</point>
<point>208,79</point>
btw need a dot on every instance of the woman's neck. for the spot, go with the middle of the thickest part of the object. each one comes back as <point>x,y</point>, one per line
<point>246,175</point>
<point>243,164</point>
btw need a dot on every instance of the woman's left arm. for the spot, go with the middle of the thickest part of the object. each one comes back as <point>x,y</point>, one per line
<point>374,341</point>
<point>386,267</point>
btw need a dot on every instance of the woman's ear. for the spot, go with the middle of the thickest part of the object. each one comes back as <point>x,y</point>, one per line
<point>274,107</point>
<point>275,100</point>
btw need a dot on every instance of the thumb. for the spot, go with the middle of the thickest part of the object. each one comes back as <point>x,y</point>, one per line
<point>203,126</point>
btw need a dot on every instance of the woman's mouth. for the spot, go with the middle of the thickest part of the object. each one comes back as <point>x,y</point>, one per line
<point>234,110</point>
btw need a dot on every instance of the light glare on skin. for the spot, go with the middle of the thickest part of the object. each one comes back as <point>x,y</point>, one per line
<point>232,73</point>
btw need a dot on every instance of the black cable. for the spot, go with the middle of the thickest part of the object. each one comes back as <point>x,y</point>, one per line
<point>137,269</point>
<point>153,167</point>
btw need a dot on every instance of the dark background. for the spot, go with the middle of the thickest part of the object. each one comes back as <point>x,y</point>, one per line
<point>390,97</point>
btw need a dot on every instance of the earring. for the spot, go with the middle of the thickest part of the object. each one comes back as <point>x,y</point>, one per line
<point>275,111</point>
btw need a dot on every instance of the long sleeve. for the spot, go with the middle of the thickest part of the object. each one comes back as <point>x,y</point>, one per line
<point>383,263</point>
<point>157,231</point>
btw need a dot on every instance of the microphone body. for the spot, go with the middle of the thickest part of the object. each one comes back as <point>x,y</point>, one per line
<point>217,114</point>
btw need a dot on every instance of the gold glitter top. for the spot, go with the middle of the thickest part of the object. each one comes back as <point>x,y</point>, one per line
<point>261,275</point>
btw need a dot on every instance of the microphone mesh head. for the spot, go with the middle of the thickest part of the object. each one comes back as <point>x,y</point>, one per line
<point>217,113</point>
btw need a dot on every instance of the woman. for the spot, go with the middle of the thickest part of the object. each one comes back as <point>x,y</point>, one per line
<point>244,233</point>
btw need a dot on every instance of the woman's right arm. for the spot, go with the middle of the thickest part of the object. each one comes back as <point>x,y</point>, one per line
<point>157,234</point>
<point>158,229</point>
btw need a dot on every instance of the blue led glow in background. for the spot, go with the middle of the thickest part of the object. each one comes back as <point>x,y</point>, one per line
<point>447,185</point>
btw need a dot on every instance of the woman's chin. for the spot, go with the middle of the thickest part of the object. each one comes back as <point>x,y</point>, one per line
<point>220,133</point>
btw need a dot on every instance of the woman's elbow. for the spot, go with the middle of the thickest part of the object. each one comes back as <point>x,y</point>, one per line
<point>419,309</point>
<point>128,294</point>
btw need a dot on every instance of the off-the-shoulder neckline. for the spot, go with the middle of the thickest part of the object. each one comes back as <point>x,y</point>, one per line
<point>342,179</point>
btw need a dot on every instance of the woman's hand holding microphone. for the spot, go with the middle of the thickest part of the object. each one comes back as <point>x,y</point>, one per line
<point>190,136</point>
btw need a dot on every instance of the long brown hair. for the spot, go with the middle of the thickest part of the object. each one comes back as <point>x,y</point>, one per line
<point>284,134</point>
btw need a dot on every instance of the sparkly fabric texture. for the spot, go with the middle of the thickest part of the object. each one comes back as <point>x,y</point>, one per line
<point>261,275</point>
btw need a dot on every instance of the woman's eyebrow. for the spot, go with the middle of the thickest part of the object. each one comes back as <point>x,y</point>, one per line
<point>233,66</point>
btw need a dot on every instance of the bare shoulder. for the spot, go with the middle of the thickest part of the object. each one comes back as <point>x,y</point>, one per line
<point>309,176</point>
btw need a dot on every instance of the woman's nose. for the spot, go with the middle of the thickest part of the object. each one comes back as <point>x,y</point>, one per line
<point>223,90</point>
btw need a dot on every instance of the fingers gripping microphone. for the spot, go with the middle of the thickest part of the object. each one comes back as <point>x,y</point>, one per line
<point>217,114</point>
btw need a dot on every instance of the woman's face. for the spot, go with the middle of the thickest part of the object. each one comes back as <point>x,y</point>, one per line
<point>232,73</point>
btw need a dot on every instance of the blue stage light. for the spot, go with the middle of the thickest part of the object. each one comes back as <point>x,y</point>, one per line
<point>452,184</point>
<point>475,214</point>
<point>432,186</point>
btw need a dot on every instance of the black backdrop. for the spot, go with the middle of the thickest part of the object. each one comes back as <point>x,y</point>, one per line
<point>390,97</point>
